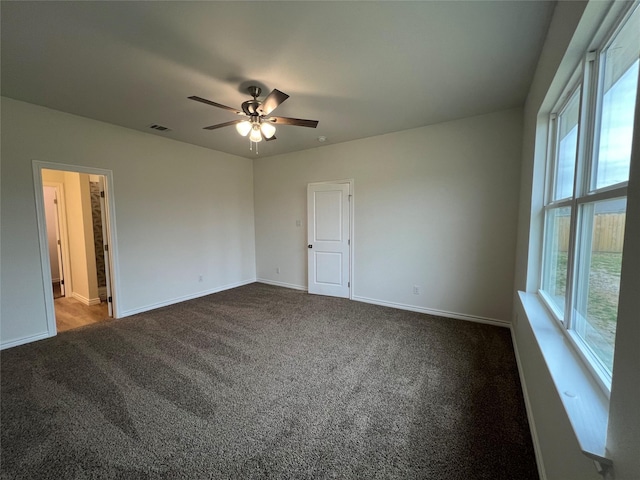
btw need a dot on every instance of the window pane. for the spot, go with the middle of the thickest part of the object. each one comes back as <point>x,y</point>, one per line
<point>556,245</point>
<point>598,275</point>
<point>567,148</point>
<point>620,85</point>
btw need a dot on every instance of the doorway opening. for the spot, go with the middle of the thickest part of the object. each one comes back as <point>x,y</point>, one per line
<point>73,209</point>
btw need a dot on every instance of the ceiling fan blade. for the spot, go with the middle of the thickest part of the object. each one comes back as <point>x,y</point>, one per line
<point>214,104</point>
<point>269,139</point>
<point>225,124</point>
<point>275,98</point>
<point>299,122</point>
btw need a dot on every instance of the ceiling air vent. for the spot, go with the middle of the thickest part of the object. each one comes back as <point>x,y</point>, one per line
<point>160,128</point>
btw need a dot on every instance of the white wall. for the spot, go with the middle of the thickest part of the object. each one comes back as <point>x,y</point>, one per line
<point>560,453</point>
<point>434,206</point>
<point>80,233</point>
<point>571,29</point>
<point>181,211</point>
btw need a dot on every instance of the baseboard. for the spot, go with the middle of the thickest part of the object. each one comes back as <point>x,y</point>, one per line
<point>184,298</point>
<point>87,301</point>
<point>22,341</point>
<point>432,311</point>
<point>401,306</point>
<point>527,404</point>
<point>281,284</point>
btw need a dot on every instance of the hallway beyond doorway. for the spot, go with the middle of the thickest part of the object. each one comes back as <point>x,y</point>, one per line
<point>71,313</point>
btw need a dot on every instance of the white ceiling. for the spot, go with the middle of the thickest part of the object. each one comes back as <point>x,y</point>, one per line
<point>360,68</point>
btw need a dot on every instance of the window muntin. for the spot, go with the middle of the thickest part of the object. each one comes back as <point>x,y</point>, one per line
<point>581,284</point>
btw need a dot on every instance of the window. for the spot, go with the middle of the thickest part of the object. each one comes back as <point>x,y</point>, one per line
<point>591,136</point>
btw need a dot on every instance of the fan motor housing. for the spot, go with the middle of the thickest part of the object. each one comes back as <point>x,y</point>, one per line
<point>250,107</point>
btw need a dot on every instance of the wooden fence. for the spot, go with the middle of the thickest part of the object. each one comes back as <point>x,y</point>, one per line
<point>608,232</point>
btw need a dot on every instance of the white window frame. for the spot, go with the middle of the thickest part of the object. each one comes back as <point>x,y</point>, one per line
<point>588,77</point>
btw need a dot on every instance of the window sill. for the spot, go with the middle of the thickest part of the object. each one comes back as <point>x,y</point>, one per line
<point>586,405</point>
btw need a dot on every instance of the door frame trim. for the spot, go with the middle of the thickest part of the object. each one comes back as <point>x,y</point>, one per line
<point>352,242</point>
<point>37,167</point>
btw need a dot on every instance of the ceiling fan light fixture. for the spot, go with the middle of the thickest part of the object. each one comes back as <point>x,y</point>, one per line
<point>255,135</point>
<point>258,123</point>
<point>267,129</point>
<point>243,128</point>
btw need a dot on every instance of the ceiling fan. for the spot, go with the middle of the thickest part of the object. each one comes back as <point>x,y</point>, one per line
<point>257,121</point>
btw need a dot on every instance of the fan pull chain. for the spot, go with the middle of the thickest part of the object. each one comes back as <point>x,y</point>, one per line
<point>251,143</point>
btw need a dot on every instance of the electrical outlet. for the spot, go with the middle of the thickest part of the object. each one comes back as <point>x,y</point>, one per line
<point>416,290</point>
<point>298,223</point>
<point>200,278</point>
<point>278,270</point>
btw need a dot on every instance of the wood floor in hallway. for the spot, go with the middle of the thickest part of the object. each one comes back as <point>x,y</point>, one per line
<point>71,313</point>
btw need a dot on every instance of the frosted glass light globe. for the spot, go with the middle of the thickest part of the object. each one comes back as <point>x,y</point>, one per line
<point>243,128</point>
<point>268,130</point>
<point>255,135</point>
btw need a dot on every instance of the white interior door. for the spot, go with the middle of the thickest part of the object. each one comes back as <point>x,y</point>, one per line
<point>59,243</point>
<point>328,238</point>
<point>52,214</point>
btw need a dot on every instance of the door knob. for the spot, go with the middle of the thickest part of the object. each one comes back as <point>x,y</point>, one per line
<point>309,246</point>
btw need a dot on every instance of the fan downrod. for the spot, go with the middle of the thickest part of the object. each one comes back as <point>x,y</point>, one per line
<point>254,91</point>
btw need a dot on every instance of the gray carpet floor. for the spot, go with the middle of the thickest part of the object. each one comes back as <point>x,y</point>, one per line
<point>266,382</point>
